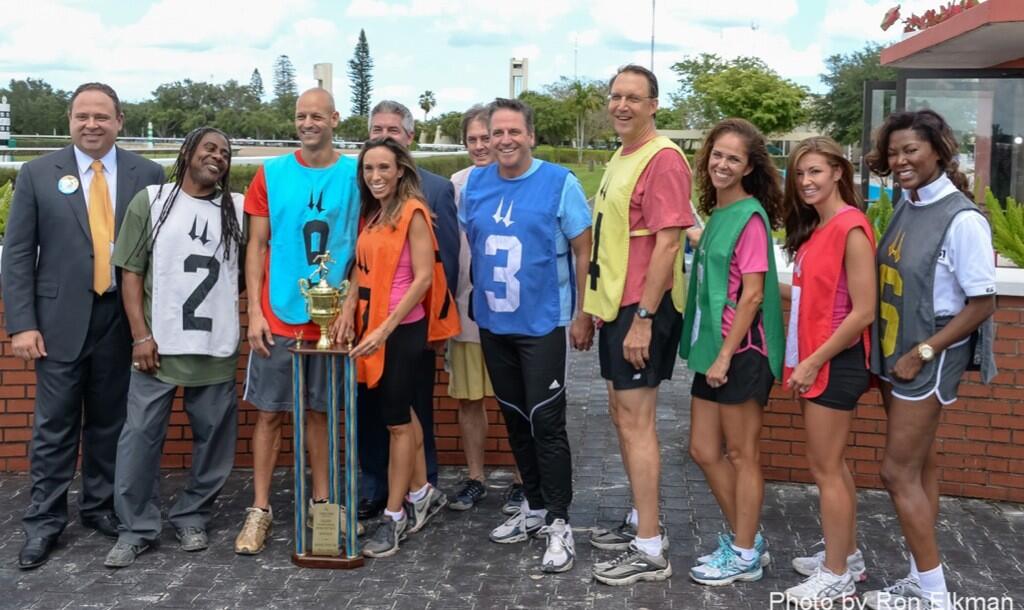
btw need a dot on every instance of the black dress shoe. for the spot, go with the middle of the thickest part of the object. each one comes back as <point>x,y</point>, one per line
<point>368,509</point>
<point>36,551</point>
<point>104,524</point>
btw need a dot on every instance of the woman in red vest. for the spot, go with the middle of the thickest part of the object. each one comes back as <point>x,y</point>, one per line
<point>398,301</point>
<point>832,298</point>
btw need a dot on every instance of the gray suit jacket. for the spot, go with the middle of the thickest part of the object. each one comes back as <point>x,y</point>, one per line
<point>47,260</point>
<point>440,196</point>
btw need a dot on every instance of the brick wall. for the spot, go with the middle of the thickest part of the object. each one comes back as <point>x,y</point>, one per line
<point>981,436</point>
<point>17,393</point>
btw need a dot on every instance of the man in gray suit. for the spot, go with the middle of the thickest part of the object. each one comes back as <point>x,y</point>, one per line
<point>64,312</point>
<point>390,119</point>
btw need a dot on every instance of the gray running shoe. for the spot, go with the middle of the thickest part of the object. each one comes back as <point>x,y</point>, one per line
<point>517,528</point>
<point>904,594</point>
<point>621,537</point>
<point>384,540</point>
<point>192,539</point>
<point>471,492</point>
<point>633,566</point>
<point>514,497</point>
<point>124,554</point>
<point>421,512</point>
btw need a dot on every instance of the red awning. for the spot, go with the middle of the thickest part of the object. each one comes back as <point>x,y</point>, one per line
<point>987,36</point>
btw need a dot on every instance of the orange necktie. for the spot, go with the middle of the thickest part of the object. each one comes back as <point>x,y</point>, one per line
<point>101,225</point>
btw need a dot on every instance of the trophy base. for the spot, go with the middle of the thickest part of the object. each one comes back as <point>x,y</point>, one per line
<point>324,562</point>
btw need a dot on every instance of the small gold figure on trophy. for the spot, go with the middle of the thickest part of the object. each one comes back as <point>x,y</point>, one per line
<point>323,301</point>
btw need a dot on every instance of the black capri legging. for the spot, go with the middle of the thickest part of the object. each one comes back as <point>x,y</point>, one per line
<point>394,395</point>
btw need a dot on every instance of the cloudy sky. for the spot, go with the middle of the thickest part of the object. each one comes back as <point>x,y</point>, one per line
<point>459,49</point>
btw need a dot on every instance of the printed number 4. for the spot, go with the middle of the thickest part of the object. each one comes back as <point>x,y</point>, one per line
<point>889,276</point>
<point>189,319</point>
<point>505,274</point>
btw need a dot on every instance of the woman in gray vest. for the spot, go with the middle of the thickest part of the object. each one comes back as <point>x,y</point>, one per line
<point>936,272</point>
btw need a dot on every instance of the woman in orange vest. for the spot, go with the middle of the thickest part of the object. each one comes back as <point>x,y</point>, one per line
<point>832,298</point>
<point>398,301</point>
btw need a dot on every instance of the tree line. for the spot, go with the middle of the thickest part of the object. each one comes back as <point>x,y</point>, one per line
<point>568,111</point>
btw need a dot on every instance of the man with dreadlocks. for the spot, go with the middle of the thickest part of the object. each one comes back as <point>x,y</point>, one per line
<point>179,250</point>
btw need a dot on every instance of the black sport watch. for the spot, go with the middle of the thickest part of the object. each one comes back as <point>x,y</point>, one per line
<point>644,314</point>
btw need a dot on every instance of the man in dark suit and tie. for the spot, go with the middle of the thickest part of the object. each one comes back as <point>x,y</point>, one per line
<point>390,119</point>
<point>64,312</point>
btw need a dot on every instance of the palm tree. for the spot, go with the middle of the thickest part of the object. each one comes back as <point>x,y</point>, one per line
<point>427,102</point>
<point>583,99</point>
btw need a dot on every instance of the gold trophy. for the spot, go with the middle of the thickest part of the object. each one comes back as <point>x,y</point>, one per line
<point>334,543</point>
<point>323,301</point>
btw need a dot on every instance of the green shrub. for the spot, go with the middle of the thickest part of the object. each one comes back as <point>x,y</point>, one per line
<point>7,175</point>
<point>1007,227</point>
<point>880,213</point>
<point>6,194</point>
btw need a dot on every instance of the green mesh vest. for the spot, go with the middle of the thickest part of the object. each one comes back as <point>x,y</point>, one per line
<point>709,290</point>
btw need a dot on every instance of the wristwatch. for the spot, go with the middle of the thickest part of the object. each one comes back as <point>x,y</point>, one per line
<point>644,314</point>
<point>925,352</point>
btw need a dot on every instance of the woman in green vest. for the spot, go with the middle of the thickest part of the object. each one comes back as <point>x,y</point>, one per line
<point>733,338</point>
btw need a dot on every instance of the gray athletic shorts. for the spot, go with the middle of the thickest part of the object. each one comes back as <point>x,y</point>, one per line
<point>946,380</point>
<point>268,381</point>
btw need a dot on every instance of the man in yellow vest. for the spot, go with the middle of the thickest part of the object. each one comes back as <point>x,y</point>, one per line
<point>634,286</point>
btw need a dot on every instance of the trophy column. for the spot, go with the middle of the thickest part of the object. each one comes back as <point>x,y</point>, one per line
<point>333,546</point>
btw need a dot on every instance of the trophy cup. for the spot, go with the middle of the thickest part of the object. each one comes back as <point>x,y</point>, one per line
<point>323,302</point>
<point>334,543</point>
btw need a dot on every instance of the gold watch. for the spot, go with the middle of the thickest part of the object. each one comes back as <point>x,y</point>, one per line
<point>926,352</point>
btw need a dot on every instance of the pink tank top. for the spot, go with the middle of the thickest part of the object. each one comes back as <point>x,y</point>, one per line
<point>400,285</point>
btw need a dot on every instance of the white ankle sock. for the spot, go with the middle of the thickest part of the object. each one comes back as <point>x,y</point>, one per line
<point>933,583</point>
<point>913,568</point>
<point>747,555</point>
<point>396,517</point>
<point>538,512</point>
<point>652,546</point>
<point>634,517</point>
<point>419,494</point>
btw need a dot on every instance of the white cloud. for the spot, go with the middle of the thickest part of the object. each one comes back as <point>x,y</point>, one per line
<point>458,95</point>
<point>861,20</point>
<point>530,51</point>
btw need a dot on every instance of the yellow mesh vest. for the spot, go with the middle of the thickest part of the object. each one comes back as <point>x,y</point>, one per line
<point>609,257</point>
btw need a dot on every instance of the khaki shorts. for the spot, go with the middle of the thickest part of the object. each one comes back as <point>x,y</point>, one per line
<point>467,376</point>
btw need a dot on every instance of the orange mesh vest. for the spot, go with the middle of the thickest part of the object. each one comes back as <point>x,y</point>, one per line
<point>377,253</point>
<point>819,265</point>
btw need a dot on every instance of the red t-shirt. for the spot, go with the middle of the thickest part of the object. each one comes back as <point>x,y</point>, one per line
<point>258,204</point>
<point>660,200</point>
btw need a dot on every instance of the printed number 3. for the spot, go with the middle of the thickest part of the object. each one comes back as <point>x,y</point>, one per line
<point>888,276</point>
<point>506,274</point>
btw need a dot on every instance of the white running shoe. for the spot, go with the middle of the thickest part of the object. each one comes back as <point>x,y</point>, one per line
<point>517,528</point>
<point>821,589</point>
<point>725,544</point>
<point>854,563</point>
<point>904,594</point>
<point>561,551</point>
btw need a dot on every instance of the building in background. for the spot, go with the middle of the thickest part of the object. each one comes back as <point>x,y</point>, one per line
<point>970,69</point>
<point>324,75</point>
<point>518,70</point>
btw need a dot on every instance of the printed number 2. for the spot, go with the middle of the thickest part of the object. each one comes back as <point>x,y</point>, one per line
<point>889,276</point>
<point>506,274</point>
<point>189,319</point>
